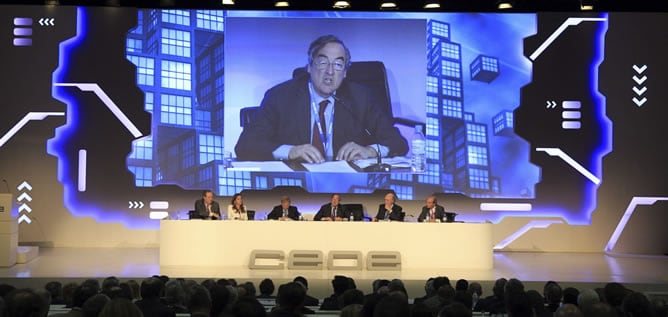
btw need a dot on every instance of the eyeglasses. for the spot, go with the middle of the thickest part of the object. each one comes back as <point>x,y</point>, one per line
<point>323,63</point>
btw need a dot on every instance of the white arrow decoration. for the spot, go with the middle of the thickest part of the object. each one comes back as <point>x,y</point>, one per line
<point>25,208</point>
<point>24,196</point>
<point>24,185</point>
<point>639,92</point>
<point>24,218</point>
<point>639,81</point>
<point>639,70</point>
<point>640,102</point>
<point>141,204</point>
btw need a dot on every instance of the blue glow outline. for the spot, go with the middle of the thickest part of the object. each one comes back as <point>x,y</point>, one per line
<point>55,145</point>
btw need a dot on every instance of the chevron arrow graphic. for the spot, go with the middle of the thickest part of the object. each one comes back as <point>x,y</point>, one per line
<point>24,218</point>
<point>25,207</point>
<point>639,70</point>
<point>640,102</point>
<point>639,81</point>
<point>639,92</point>
<point>24,196</point>
<point>24,185</point>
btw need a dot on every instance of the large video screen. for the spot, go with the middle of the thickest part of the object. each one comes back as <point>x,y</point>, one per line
<point>120,107</point>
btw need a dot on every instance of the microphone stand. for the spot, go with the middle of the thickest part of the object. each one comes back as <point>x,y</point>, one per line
<point>379,166</point>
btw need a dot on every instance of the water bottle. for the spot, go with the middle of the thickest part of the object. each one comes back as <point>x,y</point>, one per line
<point>352,217</point>
<point>418,150</point>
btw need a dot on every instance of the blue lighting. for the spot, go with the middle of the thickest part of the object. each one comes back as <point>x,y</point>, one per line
<point>55,146</point>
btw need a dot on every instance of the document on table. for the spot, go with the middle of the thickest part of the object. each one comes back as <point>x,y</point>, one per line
<point>259,166</point>
<point>395,162</point>
<point>330,167</point>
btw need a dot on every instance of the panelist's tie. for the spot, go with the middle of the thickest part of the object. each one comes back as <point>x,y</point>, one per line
<point>431,214</point>
<point>317,141</point>
<point>334,212</point>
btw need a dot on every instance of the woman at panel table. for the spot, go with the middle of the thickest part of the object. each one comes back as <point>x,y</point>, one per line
<point>237,210</point>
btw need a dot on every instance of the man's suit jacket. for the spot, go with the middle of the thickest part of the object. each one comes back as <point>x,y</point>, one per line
<point>284,117</point>
<point>397,213</point>
<point>200,209</point>
<point>277,213</point>
<point>439,213</point>
<point>326,212</point>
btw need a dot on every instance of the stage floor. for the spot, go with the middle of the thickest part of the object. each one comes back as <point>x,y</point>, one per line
<point>577,269</point>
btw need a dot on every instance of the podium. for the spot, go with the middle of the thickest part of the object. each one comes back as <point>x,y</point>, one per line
<point>9,232</point>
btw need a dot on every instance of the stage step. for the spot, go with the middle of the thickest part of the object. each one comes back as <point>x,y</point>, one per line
<point>26,254</point>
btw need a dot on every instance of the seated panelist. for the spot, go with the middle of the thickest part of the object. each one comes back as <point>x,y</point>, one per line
<point>237,210</point>
<point>332,211</point>
<point>389,211</point>
<point>432,211</point>
<point>206,207</point>
<point>284,211</point>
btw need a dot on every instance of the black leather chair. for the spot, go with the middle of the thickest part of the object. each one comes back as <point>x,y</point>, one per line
<point>357,211</point>
<point>371,74</point>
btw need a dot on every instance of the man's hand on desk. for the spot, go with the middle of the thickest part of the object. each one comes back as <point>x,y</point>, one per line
<point>353,151</point>
<point>307,153</point>
<point>213,215</point>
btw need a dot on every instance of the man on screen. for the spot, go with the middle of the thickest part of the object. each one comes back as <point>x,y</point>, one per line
<point>284,211</point>
<point>333,211</point>
<point>206,208</point>
<point>321,116</point>
<point>432,212</point>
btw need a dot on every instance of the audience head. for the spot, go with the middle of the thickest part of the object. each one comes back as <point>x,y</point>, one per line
<point>220,299</point>
<point>614,294</point>
<point>267,287</point>
<point>340,284</point>
<point>45,295</point>
<point>377,284</point>
<point>465,298</point>
<point>537,302</point>
<point>93,306</point>
<point>393,305</point>
<point>248,307</point>
<point>354,310</point>
<point>301,280</point>
<point>291,296</point>
<point>446,293</point>
<point>462,285</point>
<point>249,287</point>
<point>513,286</point>
<point>600,310</point>
<point>441,281</point>
<point>134,288</point>
<point>636,305</point>
<point>92,283</point>
<point>174,293</point>
<point>397,285</point>
<point>351,296</point>
<point>120,307</point>
<point>568,310</point>
<point>587,298</point>
<point>200,300</point>
<point>151,288</point>
<point>476,288</point>
<point>518,305</point>
<point>499,287</point>
<point>552,293</point>
<point>82,293</point>
<point>455,310</point>
<point>25,303</point>
<point>68,293</point>
<point>570,296</point>
<point>110,282</point>
<point>55,289</point>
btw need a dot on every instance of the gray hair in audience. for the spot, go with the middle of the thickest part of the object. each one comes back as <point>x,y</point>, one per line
<point>588,297</point>
<point>353,310</point>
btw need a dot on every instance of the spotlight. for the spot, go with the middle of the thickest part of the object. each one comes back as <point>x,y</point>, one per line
<point>432,4</point>
<point>504,4</point>
<point>228,2</point>
<point>341,4</point>
<point>388,4</point>
<point>281,4</point>
<point>586,5</point>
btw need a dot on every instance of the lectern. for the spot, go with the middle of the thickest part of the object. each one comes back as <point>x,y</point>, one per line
<point>9,232</point>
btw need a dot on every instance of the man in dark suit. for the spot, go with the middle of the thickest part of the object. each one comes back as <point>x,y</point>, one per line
<point>296,118</point>
<point>333,211</point>
<point>390,210</point>
<point>206,208</point>
<point>284,211</point>
<point>432,212</point>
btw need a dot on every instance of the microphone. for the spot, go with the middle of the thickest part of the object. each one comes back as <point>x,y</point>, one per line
<point>379,166</point>
<point>7,186</point>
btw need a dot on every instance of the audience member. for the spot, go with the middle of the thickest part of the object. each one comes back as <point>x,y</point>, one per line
<point>420,310</point>
<point>428,289</point>
<point>476,295</point>
<point>175,297</point>
<point>248,307</point>
<point>537,302</point>
<point>68,293</point>
<point>397,285</point>
<point>309,300</point>
<point>267,289</point>
<point>134,287</point>
<point>601,310</point>
<point>249,289</point>
<point>93,306</point>
<point>637,304</point>
<point>552,293</point>
<point>586,298</point>
<point>570,296</point>
<point>109,282</point>
<point>120,307</point>
<point>81,294</point>
<point>290,300</point>
<point>200,302</point>
<point>462,285</point>
<point>55,288</point>
<point>353,310</point>
<point>220,299</point>
<point>339,284</point>
<point>495,304</point>
<point>464,297</point>
<point>393,305</point>
<point>455,310</point>
<point>5,289</point>
<point>150,304</point>
<point>517,303</point>
<point>350,297</point>
<point>569,310</point>
<point>25,303</point>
